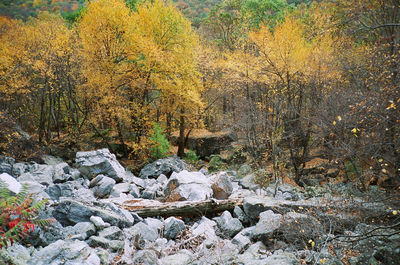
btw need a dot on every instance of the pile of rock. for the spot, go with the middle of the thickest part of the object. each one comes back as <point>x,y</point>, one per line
<point>91,228</point>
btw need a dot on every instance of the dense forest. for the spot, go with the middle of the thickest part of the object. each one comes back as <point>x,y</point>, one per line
<point>294,79</point>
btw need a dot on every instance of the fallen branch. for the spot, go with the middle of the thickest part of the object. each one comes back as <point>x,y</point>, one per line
<point>149,208</point>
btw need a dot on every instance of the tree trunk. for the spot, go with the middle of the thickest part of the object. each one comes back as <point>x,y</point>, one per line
<point>181,139</point>
<point>148,208</point>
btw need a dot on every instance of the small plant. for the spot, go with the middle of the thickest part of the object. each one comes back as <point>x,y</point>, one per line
<point>160,142</point>
<point>215,163</point>
<point>192,157</point>
<point>18,215</point>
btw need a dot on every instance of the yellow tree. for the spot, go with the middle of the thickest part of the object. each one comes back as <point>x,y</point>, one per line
<point>41,82</point>
<point>104,31</point>
<point>300,69</point>
<point>137,63</point>
<point>169,58</point>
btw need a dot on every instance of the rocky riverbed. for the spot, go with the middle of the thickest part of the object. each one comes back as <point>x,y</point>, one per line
<point>94,224</point>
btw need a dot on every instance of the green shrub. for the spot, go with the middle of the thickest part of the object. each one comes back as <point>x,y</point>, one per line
<point>18,215</point>
<point>192,157</point>
<point>160,144</point>
<point>215,163</point>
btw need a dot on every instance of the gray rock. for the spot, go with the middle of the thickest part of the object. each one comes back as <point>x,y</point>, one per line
<point>63,172</point>
<point>119,188</point>
<point>254,255</point>
<point>162,179</point>
<point>191,186</point>
<point>98,222</point>
<point>70,212</point>
<point>155,224</point>
<point>173,227</point>
<point>228,225</point>
<point>142,234</point>
<point>56,191</point>
<point>134,191</point>
<point>182,257</point>
<point>43,236</point>
<point>163,166</point>
<point>221,186</point>
<point>18,169</point>
<point>141,183</point>
<point>244,170</point>
<point>98,162</point>
<point>84,195</point>
<point>281,258</point>
<point>65,252</point>
<point>146,257</point>
<point>105,255</point>
<point>205,227</point>
<point>80,231</point>
<point>241,241</point>
<point>248,182</point>
<point>255,205</point>
<point>40,173</point>
<point>152,192</point>
<point>12,184</point>
<point>102,186</point>
<point>269,223</point>
<point>112,233</point>
<point>6,164</point>
<point>297,228</point>
<point>98,241</point>
<point>51,160</point>
<point>15,254</point>
<point>239,214</point>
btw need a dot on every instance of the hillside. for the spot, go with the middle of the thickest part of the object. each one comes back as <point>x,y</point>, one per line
<point>22,9</point>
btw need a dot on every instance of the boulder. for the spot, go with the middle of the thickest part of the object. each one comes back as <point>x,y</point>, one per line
<point>244,170</point>
<point>164,166</point>
<point>80,231</point>
<point>173,227</point>
<point>39,173</point>
<point>65,252</point>
<point>6,165</point>
<point>242,242</point>
<point>120,188</point>
<point>206,228</point>
<point>182,257</point>
<point>248,182</point>
<point>102,186</point>
<point>112,233</point>
<point>15,254</point>
<point>239,214</point>
<point>145,257</point>
<point>221,186</point>
<point>228,225</point>
<point>97,162</point>
<point>142,234</point>
<point>63,172</point>
<point>11,183</point>
<point>268,224</point>
<point>98,222</point>
<point>206,143</point>
<point>134,191</point>
<point>70,212</point>
<point>56,191</point>
<point>254,255</point>
<point>155,224</point>
<point>188,186</point>
<point>297,228</point>
<point>281,258</point>
<point>153,191</point>
<point>98,241</point>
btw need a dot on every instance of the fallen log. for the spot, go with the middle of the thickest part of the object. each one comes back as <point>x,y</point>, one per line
<point>150,208</point>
